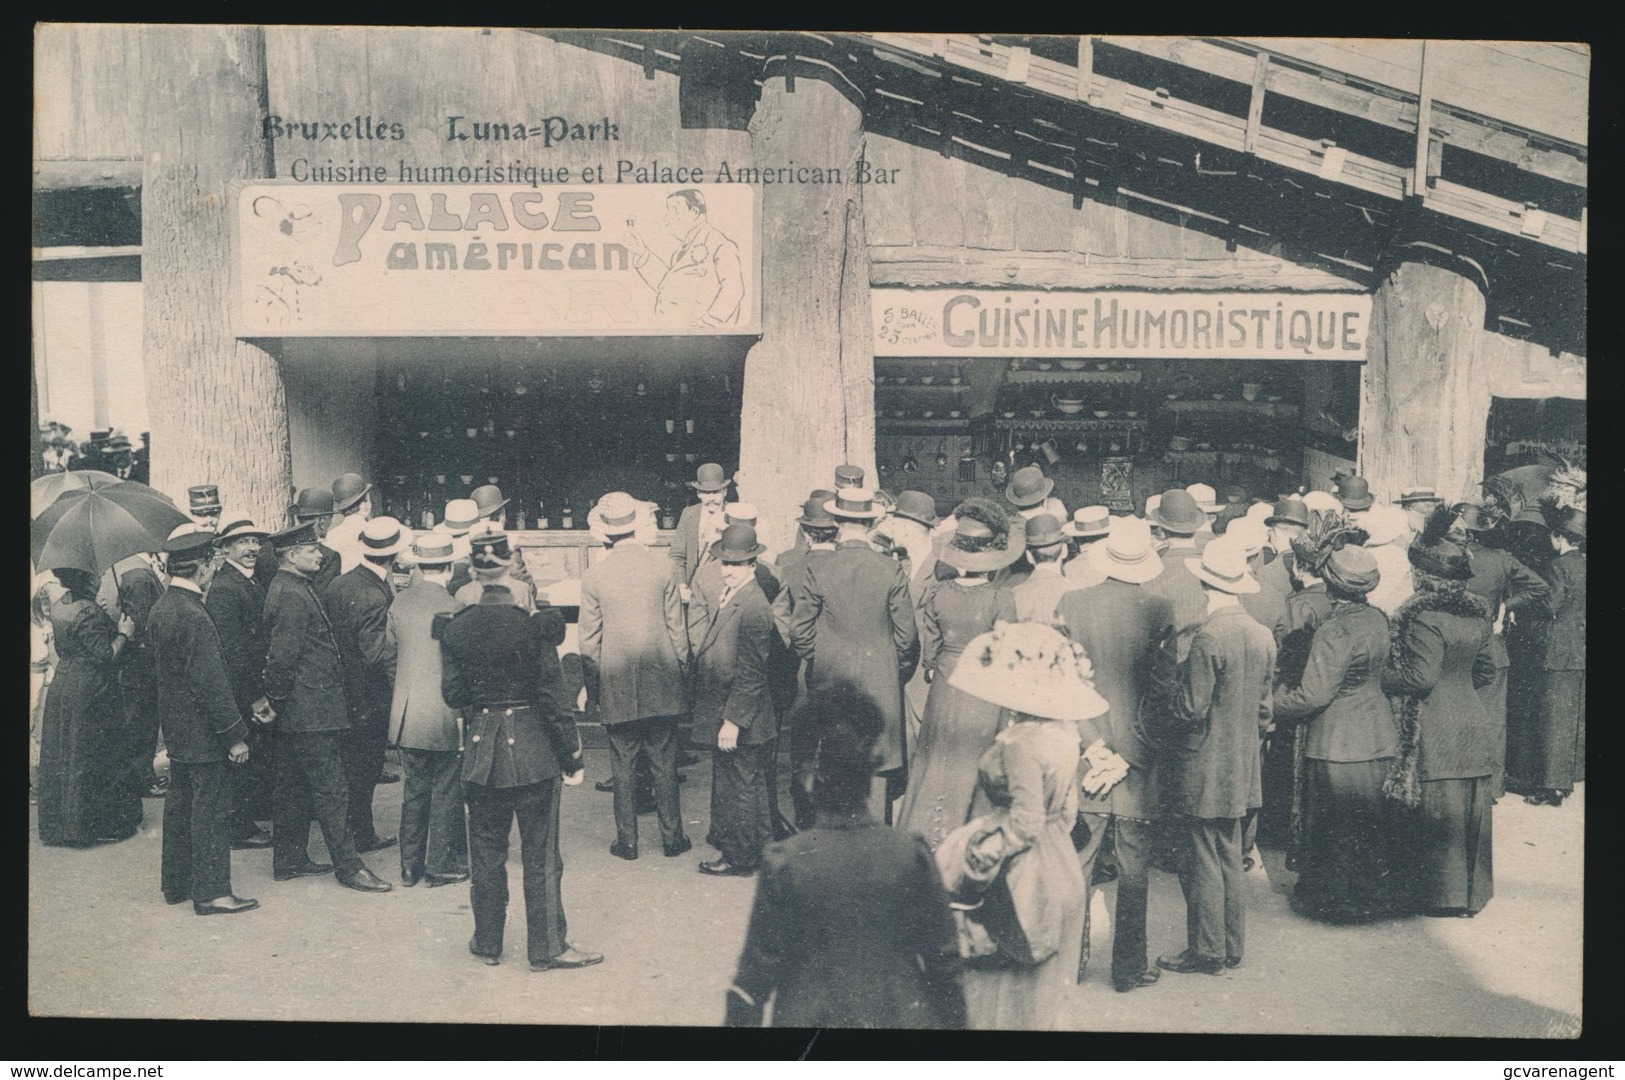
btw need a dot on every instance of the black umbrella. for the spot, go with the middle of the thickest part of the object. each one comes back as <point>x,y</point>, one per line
<point>43,491</point>
<point>90,529</point>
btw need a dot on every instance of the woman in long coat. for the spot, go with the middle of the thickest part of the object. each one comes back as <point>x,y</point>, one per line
<point>1015,868</point>
<point>1554,760</point>
<point>851,926</point>
<point>1349,742</point>
<point>1438,659</point>
<point>81,753</point>
<point>957,728</point>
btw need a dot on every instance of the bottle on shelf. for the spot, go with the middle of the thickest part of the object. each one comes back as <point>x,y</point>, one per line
<point>541,515</point>
<point>566,516</point>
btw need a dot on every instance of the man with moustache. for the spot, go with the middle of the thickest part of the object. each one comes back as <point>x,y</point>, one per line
<point>236,602</point>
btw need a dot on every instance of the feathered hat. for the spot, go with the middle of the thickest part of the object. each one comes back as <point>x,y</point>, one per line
<point>1432,552</point>
<point>1563,504</point>
<point>985,537</point>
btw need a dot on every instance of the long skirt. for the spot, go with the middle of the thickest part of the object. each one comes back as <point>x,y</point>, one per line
<point>83,796</point>
<point>1002,993</point>
<point>1448,846</point>
<point>1494,697</point>
<point>1345,871</point>
<point>942,785</point>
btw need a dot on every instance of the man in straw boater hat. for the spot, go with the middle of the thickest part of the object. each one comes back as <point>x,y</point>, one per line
<point>458,521</point>
<point>1221,705</point>
<point>236,602</point>
<point>500,669</point>
<point>854,623</point>
<point>634,644</point>
<point>204,731</point>
<point>1119,622</point>
<point>358,604</point>
<point>1418,502</point>
<point>1046,548</point>
<point>304,684</point>
<point>352,503</point>
<point>1514,592</point>
<point>1089,526</point>
<point>734,711</point>
<point>815,532</point>
<point>700,525</point>
<point>434,830</point>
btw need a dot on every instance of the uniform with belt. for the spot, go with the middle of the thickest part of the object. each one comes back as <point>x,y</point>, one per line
<point>500,667</point>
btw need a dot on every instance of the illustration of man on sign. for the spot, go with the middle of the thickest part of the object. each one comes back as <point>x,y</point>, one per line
<point>703,283</point>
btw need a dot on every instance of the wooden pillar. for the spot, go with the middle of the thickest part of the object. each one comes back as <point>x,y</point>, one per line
<point>1426,394</point>
<point>809,402</point>
<point>218,409</point>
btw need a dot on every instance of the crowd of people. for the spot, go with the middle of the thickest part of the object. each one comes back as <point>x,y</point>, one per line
<point>985,717</point>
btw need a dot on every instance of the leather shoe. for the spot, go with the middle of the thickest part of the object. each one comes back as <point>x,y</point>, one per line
<point>688,757</point>
<point>571,957</point>
<point>605,785</point>
<point>782,829</point>
<point>389,778</point>
<point>674,850</point>
<point>1102,873</point>
<point>1147,978</point>
<point>176,900</point>
<point>1232,962</point>
<point>1189,963</point>
<point>623,851</point>
<point>642,808</point>
<point>437,880</point>
<point>724,868</point>
<point>377,843</point>
<point>308,869</point>
<point>230,905</point>
<point>410,878</point>
<point>364,880</point>
<point>485,958</point>
<point>259,838</point>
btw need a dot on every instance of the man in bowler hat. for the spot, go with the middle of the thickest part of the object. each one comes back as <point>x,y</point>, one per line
<point>304,683</point>
<point>701,524</point>
<point>314,507</point>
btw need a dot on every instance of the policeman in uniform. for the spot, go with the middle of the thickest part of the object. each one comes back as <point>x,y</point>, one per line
<point>500,668</point>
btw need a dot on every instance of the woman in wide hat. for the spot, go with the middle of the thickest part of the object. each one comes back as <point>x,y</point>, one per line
<point>1439,656</point>
<point>1349,745</point>
<point>956,728</point>
<point>81,798</point>
<point>1014,871</point>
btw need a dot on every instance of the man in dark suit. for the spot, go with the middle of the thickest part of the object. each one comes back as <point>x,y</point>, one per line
<point>236,603</point>
<point>205,732</point>
<point>633,647</point>
<point>434,831</point>
<point>733,704</point>
<point>314,507</point>
<point>1514,591</point>
<point>358,604</point>
<point>500,669</point>
<point>1221,707</point>
<point>700,524</point>
<point>304,682</point>
<point>1120,623</point>
<point>854,623</point>
<point>816,532</point>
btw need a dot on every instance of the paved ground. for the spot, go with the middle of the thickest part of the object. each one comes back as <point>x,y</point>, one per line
<point>101,942</point>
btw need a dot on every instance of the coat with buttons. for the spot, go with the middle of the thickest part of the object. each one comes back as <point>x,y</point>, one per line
<point>500,668</point>
<point>304,675</point>
<point>236,603</point>
<point>200,716</point>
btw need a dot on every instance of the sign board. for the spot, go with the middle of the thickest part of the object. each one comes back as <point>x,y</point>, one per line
<point>1120,325</point>
<point>414,260</point>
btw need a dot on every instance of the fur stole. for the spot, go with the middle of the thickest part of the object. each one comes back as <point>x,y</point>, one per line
<point>1403,784</point>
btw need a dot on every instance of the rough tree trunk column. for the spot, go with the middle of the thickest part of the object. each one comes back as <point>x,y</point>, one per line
<point>809,402</point>
<point>1427,396</point>
<point>218,410</point>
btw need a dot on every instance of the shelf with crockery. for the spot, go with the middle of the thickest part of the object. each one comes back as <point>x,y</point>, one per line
<point>1261,407</point>
<point>1064,375</point>
<point>918,424</point>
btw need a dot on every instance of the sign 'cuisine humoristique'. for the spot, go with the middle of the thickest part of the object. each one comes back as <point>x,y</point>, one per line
<point>1111,323</point>
<point>505,260</point>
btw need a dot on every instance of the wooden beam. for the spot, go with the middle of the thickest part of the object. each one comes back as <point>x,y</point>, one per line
<point>1086,66</point>
<point>1424,112</point>
<point>87,173</point>
<point>918,266</point>
<point>1255,108</point>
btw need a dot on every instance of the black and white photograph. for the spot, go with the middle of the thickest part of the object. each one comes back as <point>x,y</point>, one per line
<point>821,530</point>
